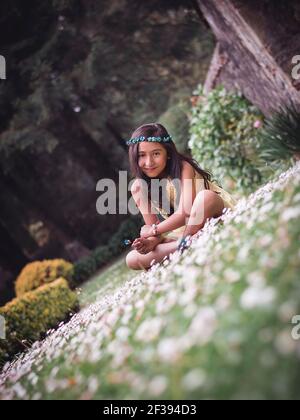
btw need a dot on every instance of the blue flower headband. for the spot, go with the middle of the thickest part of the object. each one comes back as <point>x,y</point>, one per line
<point>143,138</point>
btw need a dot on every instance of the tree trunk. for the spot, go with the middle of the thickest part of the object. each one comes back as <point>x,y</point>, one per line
<point>256,43</point>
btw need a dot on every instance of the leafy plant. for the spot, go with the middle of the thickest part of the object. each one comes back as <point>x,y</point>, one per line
<point>280,137</point>
<point>176,119</point>
<point>224,137</point>
<point>103,254</point>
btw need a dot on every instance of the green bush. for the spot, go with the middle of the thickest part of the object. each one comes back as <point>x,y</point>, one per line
<point>86,267</point>
<point>34,313</point>
<point>102,254</point>
<point>224,138</point>
<point>177,121</point>
<point>38,273</point>
<point>279,140</point>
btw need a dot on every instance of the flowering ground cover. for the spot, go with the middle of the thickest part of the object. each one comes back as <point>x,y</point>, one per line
<point>214,322</point>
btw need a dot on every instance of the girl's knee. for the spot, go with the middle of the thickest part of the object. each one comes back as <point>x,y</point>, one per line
<point>132,260</point>
<point>212,202</point>
<point>206,195</point>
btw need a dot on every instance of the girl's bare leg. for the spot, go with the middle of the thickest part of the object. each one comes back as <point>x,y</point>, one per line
<point>137,261</point>
<point>206,205</point>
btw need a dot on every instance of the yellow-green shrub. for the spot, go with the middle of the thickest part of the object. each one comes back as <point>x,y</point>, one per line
<point>38,273</point>
<point>34,313</point>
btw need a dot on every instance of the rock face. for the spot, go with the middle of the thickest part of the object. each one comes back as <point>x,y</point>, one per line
<point>81,76</point>
<point>257,41</point>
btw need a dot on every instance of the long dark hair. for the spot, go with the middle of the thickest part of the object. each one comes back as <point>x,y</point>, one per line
<point>174,164</point>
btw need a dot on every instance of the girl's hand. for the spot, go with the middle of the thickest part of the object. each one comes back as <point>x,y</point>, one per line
<point>143,246</point>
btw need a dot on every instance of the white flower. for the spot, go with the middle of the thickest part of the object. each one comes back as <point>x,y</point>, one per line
<point>284,343</point>
<point>203,325</point>
<point>223,302</point>
<point>122,353</point>
<point>243,253</point>
<point>158,385</point>
<point>231,276</point>
<point>19,390</point>
<point>168,350</point>
<point>93,384</point>
<point>147,354</point>
<point>113,346</point>
<point>296,198</point>
<point>194,379</point>
<point>266,208</point>
<point>123,333</point>
<point>126,318</point>
<point>266,240</point>
<point>179,270</point>
<point>191,273</point>
<point>188,296</point>
<point>257,296</point>
<point>256,279</point>
<point>165,303</point>
<point>287,310</point>
<point>149,329</point>
<point>291,213</point>
<point>190,310</point>
<point>140,304</point>
<point>112,318</point>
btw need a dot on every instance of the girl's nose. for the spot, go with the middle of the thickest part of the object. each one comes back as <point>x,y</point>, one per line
<point>149,162</point>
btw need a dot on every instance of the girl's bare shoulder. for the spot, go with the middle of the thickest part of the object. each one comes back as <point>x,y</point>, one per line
<point>189,170</point>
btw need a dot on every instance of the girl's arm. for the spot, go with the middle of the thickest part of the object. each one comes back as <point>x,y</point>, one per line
<point>145,208</point>
<point>171,223</point>
<point>188,194</point>
<point>143,204</point>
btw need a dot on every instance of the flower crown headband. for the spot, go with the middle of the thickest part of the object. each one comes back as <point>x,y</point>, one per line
<point>143,138</point>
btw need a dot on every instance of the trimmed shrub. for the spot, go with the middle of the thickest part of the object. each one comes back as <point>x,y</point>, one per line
<point>38,273</point>
<point>34,313</point>
<point>86,267</point>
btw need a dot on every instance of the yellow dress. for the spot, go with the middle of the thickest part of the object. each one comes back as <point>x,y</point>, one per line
<point>229,201</point>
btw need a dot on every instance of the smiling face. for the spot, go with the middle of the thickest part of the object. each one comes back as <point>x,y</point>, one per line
<point>152,158</point>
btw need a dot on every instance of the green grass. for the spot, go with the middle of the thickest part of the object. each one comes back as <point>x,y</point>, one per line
<point>214,322</point>
<point>105,282</point>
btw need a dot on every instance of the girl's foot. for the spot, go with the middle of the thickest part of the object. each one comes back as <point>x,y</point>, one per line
<point>183,244</point>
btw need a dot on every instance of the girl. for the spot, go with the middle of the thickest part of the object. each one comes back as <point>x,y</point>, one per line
<point>153,155</point>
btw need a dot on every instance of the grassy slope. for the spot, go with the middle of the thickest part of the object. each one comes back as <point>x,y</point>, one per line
<point>212,323</point>
<point>105,282</point>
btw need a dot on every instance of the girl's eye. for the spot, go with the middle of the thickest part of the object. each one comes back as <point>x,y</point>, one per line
<point>156,153</point>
